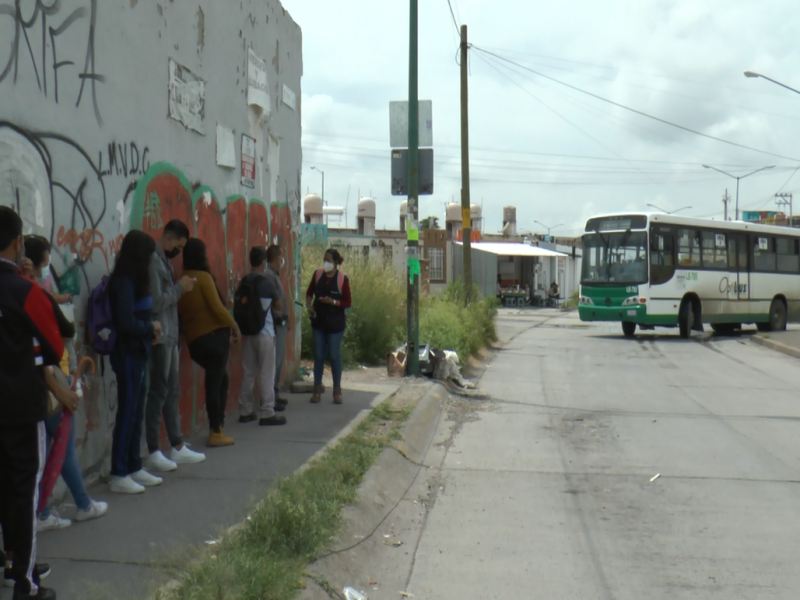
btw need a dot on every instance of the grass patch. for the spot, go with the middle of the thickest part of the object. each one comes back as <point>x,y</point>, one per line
<point>266,559</point>
<point>376,323</point>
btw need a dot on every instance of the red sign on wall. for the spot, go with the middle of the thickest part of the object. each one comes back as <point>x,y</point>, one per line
<point>474,237</point>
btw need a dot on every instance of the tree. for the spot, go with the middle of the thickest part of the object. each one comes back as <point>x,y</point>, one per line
<point>429,223</point>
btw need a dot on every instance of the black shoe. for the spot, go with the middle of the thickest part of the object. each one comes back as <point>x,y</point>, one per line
<point>247,418</point>
<point>273,420</point>
<point>283,401</point>
<point>42,570</point>
<point>280,407</point>
<point>43,594</point>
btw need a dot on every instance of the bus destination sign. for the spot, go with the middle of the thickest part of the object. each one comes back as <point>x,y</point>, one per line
<point>622,223</point>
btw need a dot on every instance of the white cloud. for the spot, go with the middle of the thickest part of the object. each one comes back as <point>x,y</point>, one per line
<point>681,60</point>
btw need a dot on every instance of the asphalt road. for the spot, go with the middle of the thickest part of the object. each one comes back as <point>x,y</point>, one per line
<point>609,468</point>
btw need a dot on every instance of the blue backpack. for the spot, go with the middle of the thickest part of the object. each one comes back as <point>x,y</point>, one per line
<point>100,332</point>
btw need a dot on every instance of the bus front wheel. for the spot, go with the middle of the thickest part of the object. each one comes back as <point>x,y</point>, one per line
<point>686,319</point>
<point>628,328</point>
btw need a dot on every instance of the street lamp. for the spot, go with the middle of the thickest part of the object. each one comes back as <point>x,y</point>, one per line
<point>321,172</point>
<point>755,75</point>
<point>669,212</point>
<point>737,178</point>
<point>546,227</point>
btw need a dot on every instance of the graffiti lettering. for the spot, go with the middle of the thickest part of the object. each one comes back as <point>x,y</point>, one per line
<point>24,31</point>
<point>84,243</point>
<point>125,160</point>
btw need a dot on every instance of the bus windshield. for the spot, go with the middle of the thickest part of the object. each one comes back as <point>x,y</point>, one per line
<point>615,257</point>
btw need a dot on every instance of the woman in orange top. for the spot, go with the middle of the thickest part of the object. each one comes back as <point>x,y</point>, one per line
<point>206,326</point>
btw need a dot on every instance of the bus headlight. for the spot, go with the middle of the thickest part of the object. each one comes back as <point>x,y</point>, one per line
<point>633,300</point>
<point>585,300</point>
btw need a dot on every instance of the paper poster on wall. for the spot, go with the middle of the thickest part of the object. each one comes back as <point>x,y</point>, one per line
<point>289,97</point>
<point>226,147</point>
<point>257,87</point>
<point>248,161</point>
<point>187,97</point>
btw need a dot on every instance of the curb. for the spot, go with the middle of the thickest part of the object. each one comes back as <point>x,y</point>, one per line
<point>417,434</point>
<point>777,346</point>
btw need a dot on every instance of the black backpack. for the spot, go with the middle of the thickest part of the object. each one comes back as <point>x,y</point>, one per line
<point>248,313</point>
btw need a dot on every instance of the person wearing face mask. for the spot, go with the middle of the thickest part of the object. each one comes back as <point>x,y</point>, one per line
<point>258,306</point>
<point>30,340</point>
<point>163,393</point>
<point>327,299</point>
<point>275,264</point>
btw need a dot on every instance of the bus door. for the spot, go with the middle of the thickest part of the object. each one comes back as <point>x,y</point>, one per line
<point>738,271</point>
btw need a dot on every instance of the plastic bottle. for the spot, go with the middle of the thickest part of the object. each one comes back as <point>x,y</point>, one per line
<point>353,594</point>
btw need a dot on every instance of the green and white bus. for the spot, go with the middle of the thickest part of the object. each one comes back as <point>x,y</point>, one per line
<point>657,270</point>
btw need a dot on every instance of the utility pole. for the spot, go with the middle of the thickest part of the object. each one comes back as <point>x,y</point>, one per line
<point>725,199</point>
<point>466,214</point>
<point>412,228</point>
<point>785,200</point>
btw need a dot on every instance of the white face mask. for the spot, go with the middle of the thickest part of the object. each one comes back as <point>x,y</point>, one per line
<point>328,266</point>
<point>283,262</point>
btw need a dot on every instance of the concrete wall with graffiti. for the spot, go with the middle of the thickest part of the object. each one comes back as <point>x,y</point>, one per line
<point>125,114</point>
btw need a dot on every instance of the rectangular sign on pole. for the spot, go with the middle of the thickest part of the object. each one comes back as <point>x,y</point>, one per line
<point>400,172</point>
<point>248,161</point>
<point>398,124</point>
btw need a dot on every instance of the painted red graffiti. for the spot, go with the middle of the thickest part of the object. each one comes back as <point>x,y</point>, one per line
<point>84,243</point>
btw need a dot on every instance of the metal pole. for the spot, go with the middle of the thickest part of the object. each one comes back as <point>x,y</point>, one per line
<point>412,348</point>
<point>737,198</point>
<point>466,214</point>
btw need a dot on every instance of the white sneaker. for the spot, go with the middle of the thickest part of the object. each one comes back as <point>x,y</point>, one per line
<point>184,456</point>
<point>95,511</point>
<point>125,485</point>
<point>53,521</point>
<point>144,478</point>
<point>158,462</point>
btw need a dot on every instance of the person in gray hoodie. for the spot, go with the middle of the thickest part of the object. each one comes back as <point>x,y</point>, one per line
<point>165,388</point>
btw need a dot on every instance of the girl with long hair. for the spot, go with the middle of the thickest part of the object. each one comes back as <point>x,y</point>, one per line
<point>207,327</point>
<point>327,299</point>
<point>131,310</point>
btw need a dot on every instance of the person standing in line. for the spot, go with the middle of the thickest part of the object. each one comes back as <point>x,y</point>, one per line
<point>258,305</point>
<point>207,327</point>
<point>29,341</point>
<point>164,392</point>
<point>37,251</point>
<point>327,299</point>
<point>132,314</point>
<point>275,264</point>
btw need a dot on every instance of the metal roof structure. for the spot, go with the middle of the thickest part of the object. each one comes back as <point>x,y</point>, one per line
<point>514,249</point>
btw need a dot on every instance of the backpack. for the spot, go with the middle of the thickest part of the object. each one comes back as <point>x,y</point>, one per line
<point>100,331</point>
<point>248,312</point>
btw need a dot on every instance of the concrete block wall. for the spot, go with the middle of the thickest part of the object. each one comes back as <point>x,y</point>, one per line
<point>100,134</point>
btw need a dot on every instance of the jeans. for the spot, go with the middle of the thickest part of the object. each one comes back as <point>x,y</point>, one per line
<point>163,397</point>
<point>280,351</point>
<point>330,344</point>
<point>258,360</point>
<point>130,369</point>
<point>210,351</point>
<point>71,470</point>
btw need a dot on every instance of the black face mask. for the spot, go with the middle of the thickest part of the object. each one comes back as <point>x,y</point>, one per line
<point>172,253</point>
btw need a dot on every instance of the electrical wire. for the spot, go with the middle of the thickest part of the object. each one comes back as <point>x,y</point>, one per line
<point>453,14</point>
<point>635,111</point>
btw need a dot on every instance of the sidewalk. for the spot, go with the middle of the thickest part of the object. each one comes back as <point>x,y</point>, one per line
<point>117,556</point>
<point>787,342</point>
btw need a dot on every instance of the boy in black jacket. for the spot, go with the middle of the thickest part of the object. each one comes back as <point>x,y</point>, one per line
<point>29,341</point>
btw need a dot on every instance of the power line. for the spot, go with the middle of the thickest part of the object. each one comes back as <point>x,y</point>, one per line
<point>635,111</point>
<point>385,141</point>
<point>453,14</point>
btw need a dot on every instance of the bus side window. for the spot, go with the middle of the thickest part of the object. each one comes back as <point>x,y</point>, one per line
<point>662,257</point>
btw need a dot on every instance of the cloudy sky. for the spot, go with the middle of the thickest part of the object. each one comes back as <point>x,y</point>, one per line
<point>555,153</point>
